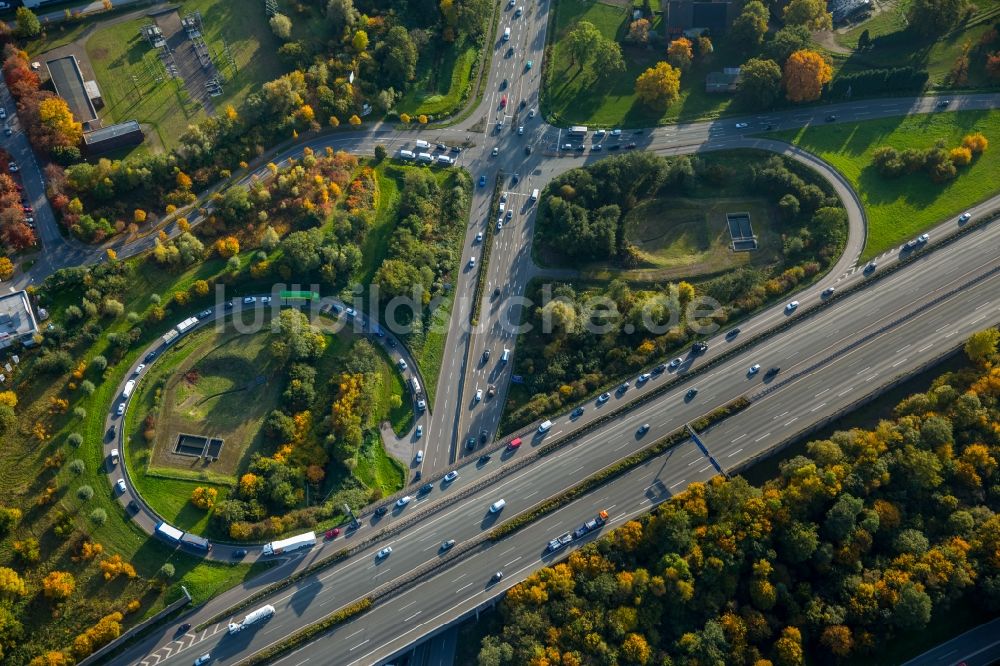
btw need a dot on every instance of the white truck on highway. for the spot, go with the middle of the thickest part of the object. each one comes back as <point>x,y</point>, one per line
<point>307,540</point>
<point>252,618</point>
<point>129,386</point>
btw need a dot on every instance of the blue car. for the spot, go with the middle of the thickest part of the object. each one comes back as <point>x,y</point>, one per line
<point>482,181</point>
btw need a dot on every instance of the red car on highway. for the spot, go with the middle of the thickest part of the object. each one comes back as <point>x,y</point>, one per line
<point>503,102</point>
<point>330,534</point>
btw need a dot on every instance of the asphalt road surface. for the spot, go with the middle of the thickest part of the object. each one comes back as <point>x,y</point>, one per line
<point>827,362</point>
<point>809,387</point>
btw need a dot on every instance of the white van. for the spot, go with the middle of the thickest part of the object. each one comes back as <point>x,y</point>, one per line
<point>444,159</point>
<point>534,194</point>
<point>406,154</point>
<point>506,34</point>
<point>422,144</point>
<point>497,506</point>
<point>545,427</point>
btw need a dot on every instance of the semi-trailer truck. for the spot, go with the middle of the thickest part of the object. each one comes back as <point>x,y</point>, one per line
<point>252,618</point>
<point>307,540</point>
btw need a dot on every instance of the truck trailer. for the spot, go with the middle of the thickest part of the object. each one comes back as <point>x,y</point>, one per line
<point>307,540</point>
<point>186,325</point>
<point>196,542</point>
<point>168,532</point>
<point>252,618</point>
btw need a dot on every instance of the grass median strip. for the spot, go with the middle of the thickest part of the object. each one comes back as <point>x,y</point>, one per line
<point>484,259</point>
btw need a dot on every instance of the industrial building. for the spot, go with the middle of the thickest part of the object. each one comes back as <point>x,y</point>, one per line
<point>67,79</point>
<point>111,137</point>
<point>17,320</point>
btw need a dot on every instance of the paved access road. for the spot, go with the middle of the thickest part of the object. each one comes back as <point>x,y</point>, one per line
<point>827,362</point>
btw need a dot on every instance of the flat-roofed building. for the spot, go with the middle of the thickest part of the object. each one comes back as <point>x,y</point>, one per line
<point>68,81</point>
<point>17,320</point>
<point>108,138</point>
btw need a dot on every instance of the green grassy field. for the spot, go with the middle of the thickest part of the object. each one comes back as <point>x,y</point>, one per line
<point>118,53</point>
<point>377,240</point>
<point>376,469</point>
<point>572,95</point>
<point>392,384</point>
<point>442,82</point>
<point>900,47</point>
<point>684,238</point>
<point>901,208</point>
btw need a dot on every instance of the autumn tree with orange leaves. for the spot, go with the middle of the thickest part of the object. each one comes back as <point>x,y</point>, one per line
<point>805,74</point>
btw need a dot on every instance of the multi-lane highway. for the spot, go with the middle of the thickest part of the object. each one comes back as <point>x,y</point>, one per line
<point>827,361</point>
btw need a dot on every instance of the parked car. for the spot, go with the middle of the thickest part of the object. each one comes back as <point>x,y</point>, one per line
<point>239,552</point>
